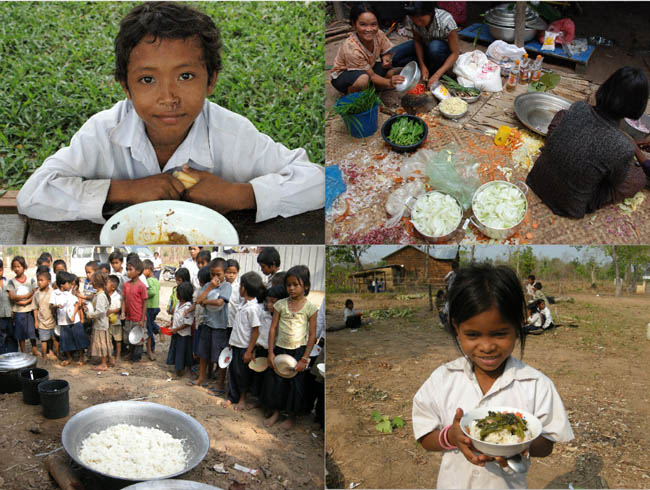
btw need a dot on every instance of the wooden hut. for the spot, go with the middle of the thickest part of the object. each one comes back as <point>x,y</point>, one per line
<point>389,276</point>
<point>414,260</point>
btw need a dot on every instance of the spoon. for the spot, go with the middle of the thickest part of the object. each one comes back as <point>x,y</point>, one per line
<point>519,463</point>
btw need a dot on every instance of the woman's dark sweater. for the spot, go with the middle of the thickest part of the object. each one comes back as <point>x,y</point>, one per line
<point>583,161</point>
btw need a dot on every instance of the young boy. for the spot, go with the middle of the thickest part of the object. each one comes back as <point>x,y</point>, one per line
<point>134,303</point>
<point>153,306</point>
<point>167,62</point>
<point>69,317</point>
<point>269,261</point>
<point>236,301</point>
<point>88,290</point>
<point>192,266</point>
<point>116,259</point>
<point>114,322</point>
<point>44,321</point>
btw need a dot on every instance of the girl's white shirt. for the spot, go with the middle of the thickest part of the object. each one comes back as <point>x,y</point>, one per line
<point>266,318</point>
<point>548,317</point>
<point>454,385</point>
<point>180,319</point>
<point>247,318</point>
<point>535,319</point>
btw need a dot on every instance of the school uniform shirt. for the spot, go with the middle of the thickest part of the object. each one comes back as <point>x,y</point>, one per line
<point>13,285</point>
<point>116,302</point>
<point>454,385</point>
<point>246,320</point>
<point>293,328</point>
<point>548,317</point>
<point>198,309</point>
<point>59,299</point>
<point>73,183</point>
<point>180,319</point>
<point>535,320</point>
<point>217,316</point>
<point>192,267</point>
<point>44,314</point>
<point>5,303</point>
<point>266,317</point>
<point>135,294</point>
<point>235,303</point>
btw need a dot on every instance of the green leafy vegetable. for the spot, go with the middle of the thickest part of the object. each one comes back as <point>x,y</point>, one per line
<point>550,80</point>
<point>376,416</point>
<point>384,424</point>
<point>496,422</point>
<point>460,90</point>
<point>405,132</point>
<point>348,109</point>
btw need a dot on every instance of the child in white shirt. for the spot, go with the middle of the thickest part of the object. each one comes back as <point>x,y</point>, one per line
<point>180,348</point>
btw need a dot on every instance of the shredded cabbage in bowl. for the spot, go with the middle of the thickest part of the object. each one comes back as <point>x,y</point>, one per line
<point>499,205</point>
<point>436,214</point>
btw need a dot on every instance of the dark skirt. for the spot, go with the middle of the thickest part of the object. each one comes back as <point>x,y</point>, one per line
<point>7,338</point>
<point>240,376</point>
<point>258,378</point>
<point>24,325</point>
<point>195,339</point>
<point>73,337</point>
<point>353,321</point>
<point>152,326</point>
<point>180,352</point>
<point>285,394</point>
<point>211,342</point>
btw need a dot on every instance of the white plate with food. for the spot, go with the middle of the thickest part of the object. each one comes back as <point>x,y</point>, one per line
<point>170,223</point>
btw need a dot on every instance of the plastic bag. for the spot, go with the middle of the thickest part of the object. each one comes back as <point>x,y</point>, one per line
<point>549,40</point>
<point>453,171</point>
<point>564,26</point>
<point>396,202</point>
<point>474,69</point>
<point>440,92</point>
<point>501,51</point>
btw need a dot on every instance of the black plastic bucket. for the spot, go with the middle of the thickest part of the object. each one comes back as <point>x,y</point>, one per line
<point>55,398</point>
<point>30,379</point>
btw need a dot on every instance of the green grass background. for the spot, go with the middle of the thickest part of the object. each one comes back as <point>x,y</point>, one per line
<point>57,65</point>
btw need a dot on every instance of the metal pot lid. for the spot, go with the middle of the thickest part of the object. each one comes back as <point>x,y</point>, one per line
<point>16,360</point>
<point>506,18</point>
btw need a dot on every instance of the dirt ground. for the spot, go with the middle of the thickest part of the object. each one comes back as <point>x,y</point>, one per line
<point>292,459</point>
<point>599,368</point>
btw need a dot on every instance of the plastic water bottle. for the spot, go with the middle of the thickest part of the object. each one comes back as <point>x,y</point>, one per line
<point>513,77</point>
<point>524,70</point>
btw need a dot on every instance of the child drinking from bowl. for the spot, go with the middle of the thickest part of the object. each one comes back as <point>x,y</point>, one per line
<point>167,59</point>
<point>486,318</point>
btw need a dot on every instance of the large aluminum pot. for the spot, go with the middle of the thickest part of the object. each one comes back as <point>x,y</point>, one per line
<point>142,414</point>
<point>171,485</point>
<point>11,365</point>
<point>500,233</point>
<point>410,203</point>
<point>508,33</point>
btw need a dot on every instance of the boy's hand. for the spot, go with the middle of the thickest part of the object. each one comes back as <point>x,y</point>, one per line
<point>215,282</point>
<point>248,357</point>
<point>152,188</point>
<point>463,443</point>
<point>217,193</point>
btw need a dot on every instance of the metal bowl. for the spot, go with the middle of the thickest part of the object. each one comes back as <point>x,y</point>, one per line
<point>11,365</point>
<point>410,203</point>
<point>635,133</point>
<point>411,73</point>
<point>171,485</point>
<point>469,100</point>
<point>142,414</point>
<point>499,233</point>
<point>508,33</point>
<point>385,132</point>
<point>453,116</point>
<point>535,110</point>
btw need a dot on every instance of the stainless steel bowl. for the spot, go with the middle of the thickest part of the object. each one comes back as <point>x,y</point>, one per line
<point>411,201</point>
<point>411,73</point>
<point>536,109</point>
<point>469,100</point>
<point>11,365</point>
<point>453,116</point>
<point>508,33</point>
<point>171,485</point>
<point>499,233</point>
<point>635,133</point>
<point>142,414</point>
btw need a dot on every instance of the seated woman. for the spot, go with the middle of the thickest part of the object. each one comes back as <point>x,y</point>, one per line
<point>356,65</point>
<point>587,161</point>
<point>435,41</point>
<point>352,318</point>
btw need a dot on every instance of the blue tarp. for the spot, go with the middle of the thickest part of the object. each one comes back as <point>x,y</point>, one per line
<point>334,184</point>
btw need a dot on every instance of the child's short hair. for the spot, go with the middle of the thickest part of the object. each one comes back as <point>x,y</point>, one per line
<point>480,287</point>
<point>147,264</point>
<point>99,279</point>
<point>269,256</point>
<point>115,255</point>
<point>136,263</point>
<point>278,278</point>
<point>204,276</point>
<point>166,20</point>
<point>104,267</point>
<point>349,303</point>
<point>132,255</point>
<point>537,285</point>
<point>300,272</point>
<point>93,265</point>
<point>278,292</point>
<point>57,263</point>
<point>184,291</point>
<point>253,285</point>
<point>204,256</point>
<point>64,277</point>
<point>218,263</point>
<point>539,302</point>
<point>45,272</point>
<point>47,256</point>
<point>41,260</point>
<point>21,260</point>
<point>531,277</point>
<point>183,274</point>
<point>232,263</point>
<point>113,279</point>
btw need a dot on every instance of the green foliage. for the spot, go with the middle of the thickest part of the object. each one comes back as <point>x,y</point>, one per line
<point>384,423</point>
<point>345,255</point>
<point>348,109</point>
<point>405,132</point>
<point>58,64</point>
<point>391,313</point>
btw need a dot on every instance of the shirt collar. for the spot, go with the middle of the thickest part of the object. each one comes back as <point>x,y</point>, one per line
<point>195,148</point>
<point>514,370</point>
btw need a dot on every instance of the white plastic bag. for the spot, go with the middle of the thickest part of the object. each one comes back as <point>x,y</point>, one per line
<point>474,69</point>
<point>501,51</point>
<point>440,91</point>
<point>396,202</point>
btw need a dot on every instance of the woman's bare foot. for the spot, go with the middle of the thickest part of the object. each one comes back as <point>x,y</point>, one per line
<point>288,423</point>
<point>101,367</point>
<point>272,419</point>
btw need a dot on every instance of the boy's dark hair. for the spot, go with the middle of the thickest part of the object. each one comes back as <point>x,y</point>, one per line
<point>135,262</point>
<point>41,260</point>
<point>184,291</point>
<point>218,263</point>
<point>204,276</point>
<point>115,255</point>
<point>232,263</point>
<point>132,255</point>
<point>624,94</point>
<point>278,278</point>
<point>183,273</point>
<point>44,272</point>
<point>478,288</point>
<point>361,8</point>
<point>253,285</point>
<point>279,292</point>
<point>531,277</point>
<point>166,20</point>
<point>21,260</point>
<point>47,256</point>
<point>59,262</point>
<point>300,272</point>
<point>539,302</point>
<point>269,256</point>
<point>100,278</point>
<point>349,303</point>
<point>64,277</point>
<point>147,264</point>
<point>104,267</point>
<point>204,256</point>
<point>93,265</point>
<point>538,285</point>
<point>420,8</point>
<point>114,279</point>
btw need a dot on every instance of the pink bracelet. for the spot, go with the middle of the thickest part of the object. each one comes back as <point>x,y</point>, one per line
<point>443,439</point>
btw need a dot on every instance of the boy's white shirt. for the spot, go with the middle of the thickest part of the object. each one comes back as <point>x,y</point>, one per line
<point>247,318</point>
<point>73,183</point>
<point>266,318</point>
<point>454,385</point>
<point>535,319</point>
<point>179,319</point>
<point>548,317</point>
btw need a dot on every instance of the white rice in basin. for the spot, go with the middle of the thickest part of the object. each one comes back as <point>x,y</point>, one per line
<point>501,437</point>
<point>132,452</point>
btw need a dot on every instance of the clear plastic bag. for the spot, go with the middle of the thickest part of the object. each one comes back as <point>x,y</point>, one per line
<point>396,202</point>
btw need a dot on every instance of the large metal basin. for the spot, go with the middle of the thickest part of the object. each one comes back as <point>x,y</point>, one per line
<point>171,485</point>
<point>535,110</point>
<point>142,414</point>
<point>11,364</point>
<point>508,33</point>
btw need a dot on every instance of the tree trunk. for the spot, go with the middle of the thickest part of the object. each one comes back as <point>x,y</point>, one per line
<point>471,257</point>
<point>593,277</point>
<point>618,274</point>
<point>520,23</point>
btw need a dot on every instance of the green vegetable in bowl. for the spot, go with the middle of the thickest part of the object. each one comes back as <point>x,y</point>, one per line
<point>405,132</point>
<point>495,422</point>
<point>460,90</point>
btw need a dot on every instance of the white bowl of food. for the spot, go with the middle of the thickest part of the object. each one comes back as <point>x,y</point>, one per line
<point>168,223</point>
<point>453,107</point>
<point>500,431</point>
